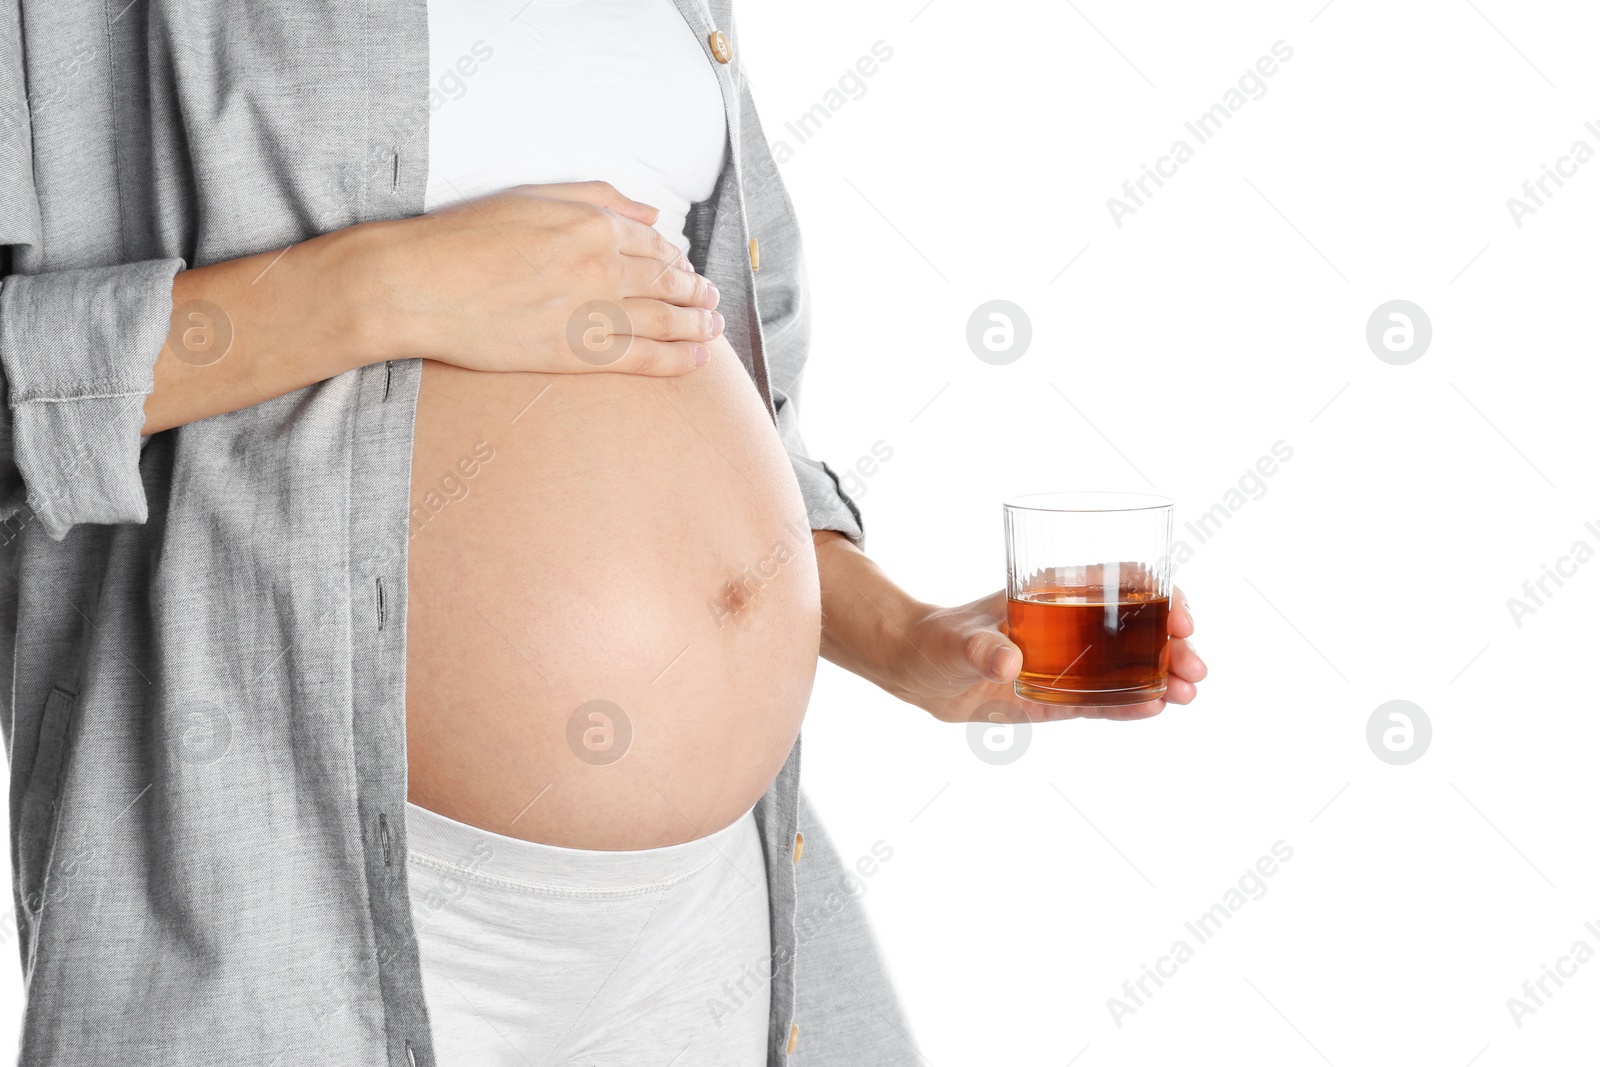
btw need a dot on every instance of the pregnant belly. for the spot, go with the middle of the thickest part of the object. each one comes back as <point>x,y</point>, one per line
<point>613,611</point>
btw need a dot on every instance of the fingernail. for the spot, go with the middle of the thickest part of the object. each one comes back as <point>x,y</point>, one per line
<point>701,354</point>
<point>994,663</point>
<point>713,295</point>
<point>716,324</point>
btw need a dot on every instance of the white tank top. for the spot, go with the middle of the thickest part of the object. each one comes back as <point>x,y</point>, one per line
<point>535,91</point>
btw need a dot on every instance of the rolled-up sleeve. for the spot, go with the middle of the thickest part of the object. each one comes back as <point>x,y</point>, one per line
<point>77,349</point>
<point>784,306</point>
<point>77,358</point>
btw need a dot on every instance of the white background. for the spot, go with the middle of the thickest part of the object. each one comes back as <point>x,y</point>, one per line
<point>1227,314</point>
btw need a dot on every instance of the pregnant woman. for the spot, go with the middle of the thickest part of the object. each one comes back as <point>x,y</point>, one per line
<point>413,577</point>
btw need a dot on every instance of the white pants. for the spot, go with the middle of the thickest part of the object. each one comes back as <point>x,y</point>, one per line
<point>538,956</point>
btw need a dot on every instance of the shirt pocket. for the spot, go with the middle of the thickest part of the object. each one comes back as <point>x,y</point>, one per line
<point>36,820</point>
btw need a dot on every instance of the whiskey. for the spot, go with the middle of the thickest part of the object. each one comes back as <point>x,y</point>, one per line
<point>1082,648</point>
<point>1088,576</point>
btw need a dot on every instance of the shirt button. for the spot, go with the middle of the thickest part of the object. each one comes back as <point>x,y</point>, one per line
<point>755,255</point>
<point>794,1036</point>
<point>799,846</point>
<point>720,46</point>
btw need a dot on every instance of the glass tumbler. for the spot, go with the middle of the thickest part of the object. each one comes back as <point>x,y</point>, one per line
<point>1088,583</point>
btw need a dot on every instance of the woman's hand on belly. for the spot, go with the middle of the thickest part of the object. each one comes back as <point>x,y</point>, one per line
<point>564,279</point>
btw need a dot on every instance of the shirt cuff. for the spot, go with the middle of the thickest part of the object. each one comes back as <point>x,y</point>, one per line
<point>78,351</point>
<point>828,506</point>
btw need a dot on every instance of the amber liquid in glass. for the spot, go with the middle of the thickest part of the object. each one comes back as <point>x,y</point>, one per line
<point>1077,649</point>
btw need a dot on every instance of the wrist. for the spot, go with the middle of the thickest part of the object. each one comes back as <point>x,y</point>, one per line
<point>896,649</point>
<point>870,624</point>
<point>898,618</point>
<point>354,272</point>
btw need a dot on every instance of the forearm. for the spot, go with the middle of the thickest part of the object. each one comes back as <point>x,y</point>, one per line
<point>867,619</point>
<point>248,330</point>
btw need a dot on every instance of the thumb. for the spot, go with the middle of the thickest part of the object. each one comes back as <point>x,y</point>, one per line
<point>994,656</point>
<point>603,194</point>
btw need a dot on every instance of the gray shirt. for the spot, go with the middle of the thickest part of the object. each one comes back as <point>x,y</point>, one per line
<point>204,629</point>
